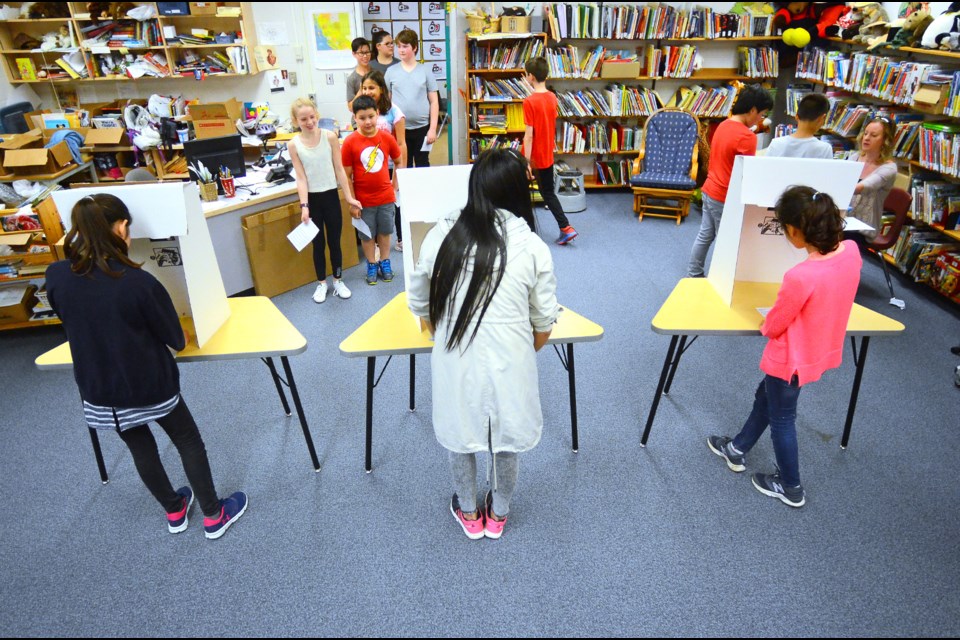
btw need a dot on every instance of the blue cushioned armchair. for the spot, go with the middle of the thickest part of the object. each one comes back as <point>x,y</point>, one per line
<point>666,168</point>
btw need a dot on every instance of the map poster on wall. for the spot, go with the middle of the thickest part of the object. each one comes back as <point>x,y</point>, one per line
<point>332,33</point>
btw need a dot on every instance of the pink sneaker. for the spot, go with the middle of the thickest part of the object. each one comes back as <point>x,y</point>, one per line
<point>491,528</point>
<point>473,528</point>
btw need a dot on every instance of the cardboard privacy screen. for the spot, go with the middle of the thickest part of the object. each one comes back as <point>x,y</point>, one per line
<point>426,196</point>
<point>750,246</point>
<point>170,237</point>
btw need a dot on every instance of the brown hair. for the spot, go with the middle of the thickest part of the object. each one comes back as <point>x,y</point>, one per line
<point>814,214</point>
<point>91,241</point>
<point>408,36</point>
<point>537,67</point>
<point>886,149</point>
<point>383,104</point>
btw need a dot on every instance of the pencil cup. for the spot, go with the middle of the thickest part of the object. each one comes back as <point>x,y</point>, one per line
<point>229,190</point>
<point>208,191</point>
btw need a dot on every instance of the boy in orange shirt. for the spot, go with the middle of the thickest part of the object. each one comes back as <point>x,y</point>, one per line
<point>540,116</point>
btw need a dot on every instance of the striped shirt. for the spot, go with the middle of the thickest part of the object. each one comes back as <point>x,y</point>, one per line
<point>98,417</point>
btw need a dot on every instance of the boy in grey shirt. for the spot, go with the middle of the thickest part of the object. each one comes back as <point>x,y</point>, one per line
<point>811,114</point>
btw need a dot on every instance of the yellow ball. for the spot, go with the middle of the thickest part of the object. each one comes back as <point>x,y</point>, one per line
<point>801,38</point>
<point>788,37</point>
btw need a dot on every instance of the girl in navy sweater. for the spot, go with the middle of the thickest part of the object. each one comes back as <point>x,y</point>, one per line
<point>121,325</point>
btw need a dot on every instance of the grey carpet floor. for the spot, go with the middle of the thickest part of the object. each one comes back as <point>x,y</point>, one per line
<point>617,540</point>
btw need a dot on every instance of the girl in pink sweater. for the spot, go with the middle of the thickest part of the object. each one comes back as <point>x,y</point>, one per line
<point>806,328</point>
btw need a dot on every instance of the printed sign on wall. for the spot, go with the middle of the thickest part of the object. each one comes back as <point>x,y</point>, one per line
<point>376,10</point>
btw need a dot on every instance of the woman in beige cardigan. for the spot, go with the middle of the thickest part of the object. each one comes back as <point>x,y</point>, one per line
<point>879,173</point>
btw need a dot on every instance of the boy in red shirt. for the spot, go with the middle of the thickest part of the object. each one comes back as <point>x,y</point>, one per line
<point>540,116</point>
<point>364,155</point>
<point>732,138</point>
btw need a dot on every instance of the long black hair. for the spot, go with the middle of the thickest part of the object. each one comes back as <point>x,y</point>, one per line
<point>498,180</point>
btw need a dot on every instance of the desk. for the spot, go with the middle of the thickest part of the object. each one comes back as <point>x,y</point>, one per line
<point>242,336</point>
<point>60,175</point>
<point>393,331</point>
<point>695,308</point>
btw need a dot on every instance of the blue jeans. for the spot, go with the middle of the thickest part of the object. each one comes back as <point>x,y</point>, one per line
<point>709,225</point>
<point>775,404</point>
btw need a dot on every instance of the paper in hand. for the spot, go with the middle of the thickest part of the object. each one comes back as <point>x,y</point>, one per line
<point>764,310</point>
<point>303,235</point>
<point>362,227</point>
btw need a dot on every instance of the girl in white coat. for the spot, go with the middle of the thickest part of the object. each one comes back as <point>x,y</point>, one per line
<point>484,283</point>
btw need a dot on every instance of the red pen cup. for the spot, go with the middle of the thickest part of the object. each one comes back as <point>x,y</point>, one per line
<point>229,190</point>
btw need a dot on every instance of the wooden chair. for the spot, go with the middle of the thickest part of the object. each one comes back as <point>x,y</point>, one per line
<point>666,167</point>
<point>898,203</point>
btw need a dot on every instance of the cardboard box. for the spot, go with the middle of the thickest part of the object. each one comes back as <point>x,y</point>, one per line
<point>203,8</point>
<point>36,162</point>
<point>625,70</point>
<point>105,138</point>
<point>275,265</point>
<point>22,310</point>
<point>215,119</point>
<point>931,98</point>
<point>26,140</point>
<point>515,24</point>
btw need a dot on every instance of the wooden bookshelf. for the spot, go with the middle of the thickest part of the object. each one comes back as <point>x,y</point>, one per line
<point>29,324</point>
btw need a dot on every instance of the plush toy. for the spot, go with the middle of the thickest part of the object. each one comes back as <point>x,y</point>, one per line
<point>50,41</point>
<point>801,22</point>
<point>98,10</point>
<point>874,25</point>
<point>850,23</point>
<point>118,10</point>
<point>940,29</point>
<point>48,10</point>
<point>66,40</point>
<point>911,30</point>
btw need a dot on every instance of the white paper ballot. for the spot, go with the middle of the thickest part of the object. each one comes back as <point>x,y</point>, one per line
<point>303,235</point>
<point>362,227</point>
<point>855,224</point>
<point>428,147</point>
<point>764,311</point>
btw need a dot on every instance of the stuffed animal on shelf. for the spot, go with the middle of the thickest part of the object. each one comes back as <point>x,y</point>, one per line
<point>98,10</point>
<point>118,10</point>
<point>66,40</point>
<point>875,24</point>
<point>911,31</point>
<point>801,22</point>
<point>50,41</point>
<point>940,29</point>
<point>850,23</point>
<point>48,10</point>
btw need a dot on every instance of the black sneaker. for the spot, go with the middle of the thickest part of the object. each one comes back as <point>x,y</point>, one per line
<point>723,447</point>
<point>769,484</point>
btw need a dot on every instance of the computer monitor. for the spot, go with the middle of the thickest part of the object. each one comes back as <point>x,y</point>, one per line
<point>214,153</point>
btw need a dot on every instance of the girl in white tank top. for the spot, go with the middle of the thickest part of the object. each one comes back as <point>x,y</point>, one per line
<point>315,154</point>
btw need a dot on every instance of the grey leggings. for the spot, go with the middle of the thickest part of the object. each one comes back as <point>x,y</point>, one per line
<point>464,468</point>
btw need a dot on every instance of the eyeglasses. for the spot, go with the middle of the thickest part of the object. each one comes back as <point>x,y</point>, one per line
<point>363,53</point>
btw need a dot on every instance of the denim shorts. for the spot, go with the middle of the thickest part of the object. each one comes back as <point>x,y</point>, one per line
<point>379,219</point>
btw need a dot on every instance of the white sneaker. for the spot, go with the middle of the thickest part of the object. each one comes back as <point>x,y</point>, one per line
<point>321,293</point>
<point>340,290</point>
<point>398,247</point>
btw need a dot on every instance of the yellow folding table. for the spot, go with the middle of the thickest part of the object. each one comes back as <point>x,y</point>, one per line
<point>695,308</point>
<point>255,329</point>
<point>393,331</point>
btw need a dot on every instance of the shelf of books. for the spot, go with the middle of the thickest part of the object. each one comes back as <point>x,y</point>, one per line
<point>80,47</point>
<point>922,100</point>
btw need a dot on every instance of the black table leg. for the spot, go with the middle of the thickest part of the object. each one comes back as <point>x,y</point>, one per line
<point>667,363</point>
<point>858,376</point>
<point>572,380</point>
<point>371,367</point>
<point>676,363</point>
<point>277,381</point>
<point>98,454</point>
<point>413,382</point>
<point>303,419</point>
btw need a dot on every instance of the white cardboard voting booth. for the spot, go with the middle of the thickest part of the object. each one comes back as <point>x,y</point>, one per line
<point>170,237</point>
<point>750,246</point>
<point>426,196</point>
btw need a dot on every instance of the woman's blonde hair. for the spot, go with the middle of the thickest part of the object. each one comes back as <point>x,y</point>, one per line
<point>298,104</point>
<point>886,149</point>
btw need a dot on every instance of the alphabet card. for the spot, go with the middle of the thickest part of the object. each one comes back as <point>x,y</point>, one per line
<point>173,243</point>
<point>750,246</point>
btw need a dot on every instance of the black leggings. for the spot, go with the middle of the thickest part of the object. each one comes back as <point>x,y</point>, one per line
<point>325,212</point>
<point>182,430</point>
<point>414,139</point>
<point>545,183</point>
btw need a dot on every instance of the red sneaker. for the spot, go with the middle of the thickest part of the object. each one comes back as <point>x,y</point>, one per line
<point>473,528</point>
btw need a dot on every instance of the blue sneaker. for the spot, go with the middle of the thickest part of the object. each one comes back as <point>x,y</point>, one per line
<point>177,522</point>
<point>386,272</point>
<point>567,234</point>
<point>371,273</point>
<point>230,510</point>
